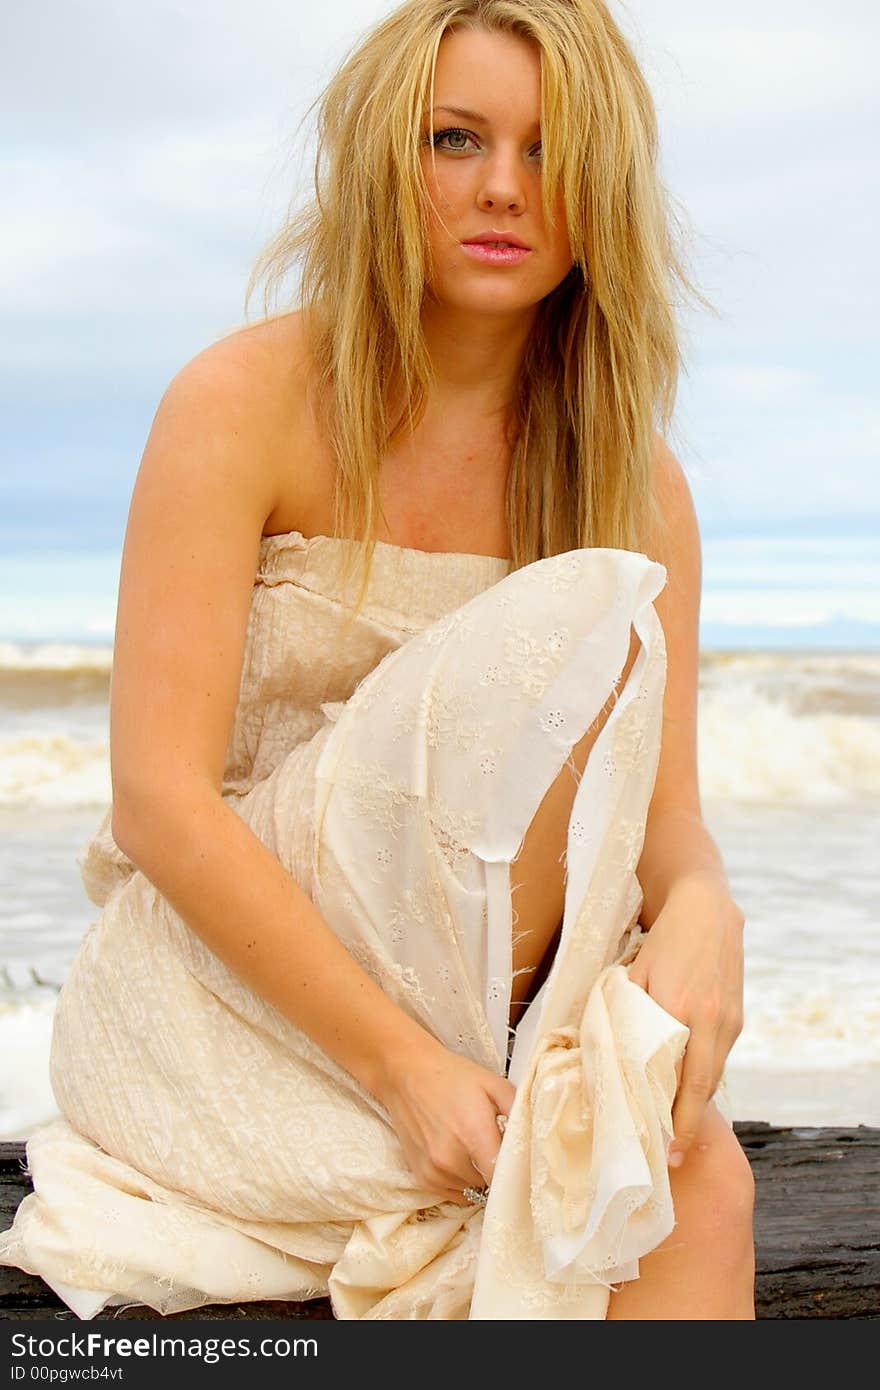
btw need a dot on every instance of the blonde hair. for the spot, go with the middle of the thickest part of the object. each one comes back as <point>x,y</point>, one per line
<point>600,371</point>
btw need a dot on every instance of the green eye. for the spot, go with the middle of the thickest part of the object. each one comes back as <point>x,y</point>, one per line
<point>456,139</point>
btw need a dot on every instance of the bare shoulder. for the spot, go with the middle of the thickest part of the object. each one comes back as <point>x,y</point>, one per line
<point>672,489</point>
<point>272,353</point>
<point>205,492</point>
<point>244,397</point>
<point>675,536</point>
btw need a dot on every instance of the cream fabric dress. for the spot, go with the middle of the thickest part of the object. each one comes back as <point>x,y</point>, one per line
<point>209,1151</point>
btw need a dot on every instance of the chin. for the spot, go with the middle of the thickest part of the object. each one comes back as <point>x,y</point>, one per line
<point>486,301</point>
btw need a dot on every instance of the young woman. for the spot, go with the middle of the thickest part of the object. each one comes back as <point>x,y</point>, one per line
<point>367,830</point>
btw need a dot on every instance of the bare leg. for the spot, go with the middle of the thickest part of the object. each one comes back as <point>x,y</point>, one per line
<point>706,1268</point>
<point>537,874</point>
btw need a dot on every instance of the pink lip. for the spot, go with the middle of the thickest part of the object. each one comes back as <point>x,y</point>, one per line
<point>486,248</point>
<point>492,235</point>
<point>495,255</point>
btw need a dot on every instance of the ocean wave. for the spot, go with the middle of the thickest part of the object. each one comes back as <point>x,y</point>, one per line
<point>829,1045</point>
<point>26,1098</point>
<point>53,677</point>
<point>805,682</point>
<point>755,748</point>
<point>57,657</point>
<point>814,1027</point>
<point>750,749</point>
<point>795,664</point>
<point>54,771</point>
<point>773,727</point>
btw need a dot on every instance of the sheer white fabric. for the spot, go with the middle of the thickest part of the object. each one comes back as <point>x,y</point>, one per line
<point>210,1152</point>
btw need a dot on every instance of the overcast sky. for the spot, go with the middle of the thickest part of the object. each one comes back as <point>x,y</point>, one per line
<point>148,152</point>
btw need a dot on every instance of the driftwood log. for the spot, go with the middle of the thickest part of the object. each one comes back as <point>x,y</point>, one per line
<point>817,1233</point>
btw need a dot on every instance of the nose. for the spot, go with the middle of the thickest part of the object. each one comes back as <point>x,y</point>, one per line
<point>503,183</point>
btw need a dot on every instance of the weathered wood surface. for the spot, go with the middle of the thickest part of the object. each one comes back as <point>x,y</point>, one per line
<point>817,1233</point>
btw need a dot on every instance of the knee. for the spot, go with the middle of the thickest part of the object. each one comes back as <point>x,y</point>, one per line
<point>716,1191</point>
<point>730,1182</point>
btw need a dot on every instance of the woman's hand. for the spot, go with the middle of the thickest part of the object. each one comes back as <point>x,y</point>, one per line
<point>445,1109</point>
<point>691,963</point>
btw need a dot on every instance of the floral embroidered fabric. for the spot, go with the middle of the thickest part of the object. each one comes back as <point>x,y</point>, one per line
<point>209,1151</point>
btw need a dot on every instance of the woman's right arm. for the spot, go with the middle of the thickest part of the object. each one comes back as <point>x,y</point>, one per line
<point>204,490</point>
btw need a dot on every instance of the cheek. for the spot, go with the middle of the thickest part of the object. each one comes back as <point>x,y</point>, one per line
<point>445,185</point>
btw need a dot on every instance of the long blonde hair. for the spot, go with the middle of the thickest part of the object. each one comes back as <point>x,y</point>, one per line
<point>600,371</point>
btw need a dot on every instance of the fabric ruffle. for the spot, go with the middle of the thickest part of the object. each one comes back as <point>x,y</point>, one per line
<point>587,1139</point>
<point>401,816</point>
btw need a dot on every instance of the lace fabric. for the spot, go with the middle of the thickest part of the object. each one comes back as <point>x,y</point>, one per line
<point>209,1151</point>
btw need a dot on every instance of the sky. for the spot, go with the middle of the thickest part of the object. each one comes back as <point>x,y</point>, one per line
<point>149,152</point>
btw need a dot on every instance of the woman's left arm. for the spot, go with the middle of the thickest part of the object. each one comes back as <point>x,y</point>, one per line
<point>691,961</point>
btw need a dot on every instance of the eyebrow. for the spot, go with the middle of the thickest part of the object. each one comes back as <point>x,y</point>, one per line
<point>466,115</point>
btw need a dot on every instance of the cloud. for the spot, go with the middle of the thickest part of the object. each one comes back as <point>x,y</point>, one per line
<point>765,75</point>
<point>88,69</point>
<point>156,148</point>
<point>764,457</point>
<point>93,232</point>
<point>759,383</point>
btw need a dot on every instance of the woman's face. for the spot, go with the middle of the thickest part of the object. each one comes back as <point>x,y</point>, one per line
<point>485,178</point>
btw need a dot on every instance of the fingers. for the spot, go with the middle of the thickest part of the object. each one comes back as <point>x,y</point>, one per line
<point>695,1091</point>
<point>455,1188</point>
<point>486,1142</point>
<point>484,1155</point>
<point>449,1178</point>
<point>478,1158</point>
<point>502,1092</point>
<point>451,1129</point>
